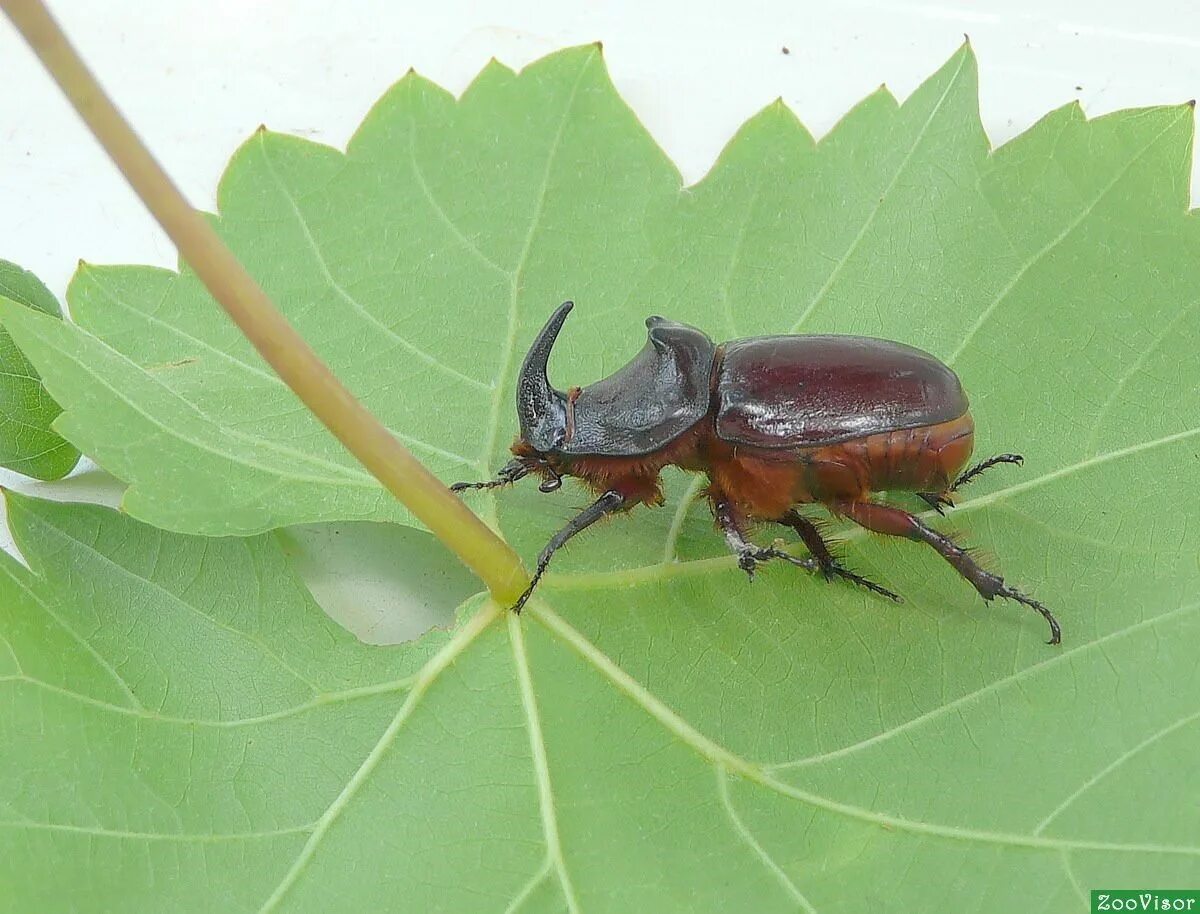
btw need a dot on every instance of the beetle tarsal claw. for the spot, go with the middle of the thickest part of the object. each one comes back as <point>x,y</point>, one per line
<point>1011,593</point>
<point>528,592</point>
<point>974,471</point>
<point>937,501</point>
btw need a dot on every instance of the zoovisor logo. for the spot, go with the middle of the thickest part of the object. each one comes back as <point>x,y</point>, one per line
<point>1145,900</point>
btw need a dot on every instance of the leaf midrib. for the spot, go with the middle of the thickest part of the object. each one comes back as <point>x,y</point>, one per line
<point>836,270</point>
<point>986,314</point>
<point>508,360</point>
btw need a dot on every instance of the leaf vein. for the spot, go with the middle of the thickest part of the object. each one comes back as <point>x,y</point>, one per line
<point>126,835</point>
<point>143,713</point>
<point>870,220</point>
<point>350,476</point>
<point>438,211</point>
<point>530,887</point>
<point>87,646</point>
<point>340,290</point>
<point>541,765</point>
<point>1113,766</point>
<point>172,598</point>
<point>428,674</point>
<point>717,754</point>
<point>265,376</point>
<point>747,837</point>
<point>1012,679</point>
<point>1134,367</point>
<point>986,314</point>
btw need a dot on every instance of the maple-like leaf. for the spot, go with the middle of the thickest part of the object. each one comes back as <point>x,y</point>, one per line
<point>187,731</point>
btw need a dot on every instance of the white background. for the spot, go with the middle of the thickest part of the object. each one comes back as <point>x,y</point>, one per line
<point>196,77</point>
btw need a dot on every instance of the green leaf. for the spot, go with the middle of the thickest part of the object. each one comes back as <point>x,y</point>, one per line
<point>417,264</point>
<point>651,735</point>
<point>27,444</point>
<point>183,729</point>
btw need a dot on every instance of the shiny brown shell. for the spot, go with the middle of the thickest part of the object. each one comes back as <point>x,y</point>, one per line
<point>814,390</point>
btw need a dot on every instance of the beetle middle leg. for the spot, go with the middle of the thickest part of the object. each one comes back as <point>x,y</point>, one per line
<point>827,562</point>
<point>749,554</point>
<point>898,522</point>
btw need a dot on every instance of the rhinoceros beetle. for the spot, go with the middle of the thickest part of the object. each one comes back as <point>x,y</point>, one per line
<point>774,422</point>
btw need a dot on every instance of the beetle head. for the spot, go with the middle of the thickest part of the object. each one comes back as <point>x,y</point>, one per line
<point>640,408</point>
<point>541,409</point>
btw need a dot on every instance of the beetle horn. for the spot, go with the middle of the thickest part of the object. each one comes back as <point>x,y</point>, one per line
<point>542,409</point>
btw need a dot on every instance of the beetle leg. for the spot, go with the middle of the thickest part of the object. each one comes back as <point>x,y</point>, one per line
<point>828,564</point>
<point>937,501</point>
<point>974,471</point>
<point>604,505</point>
<point>898,522</point>
<point>507,475</point>
<point>749,554</point>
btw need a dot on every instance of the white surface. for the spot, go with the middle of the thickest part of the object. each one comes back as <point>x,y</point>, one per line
<point>197,76</point>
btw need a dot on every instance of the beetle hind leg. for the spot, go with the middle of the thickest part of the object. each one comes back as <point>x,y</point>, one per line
<point>897,522</point>
<point>827,562</point>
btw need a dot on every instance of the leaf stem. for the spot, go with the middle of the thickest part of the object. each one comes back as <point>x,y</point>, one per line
<point>264,325</point>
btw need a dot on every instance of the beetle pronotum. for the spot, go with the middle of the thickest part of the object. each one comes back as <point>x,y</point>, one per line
<point>774,422</point>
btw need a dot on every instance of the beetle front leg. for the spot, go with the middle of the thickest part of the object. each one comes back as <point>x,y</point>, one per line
<point>507,475</point>
<point>748,553</point>
<point>604,505</point>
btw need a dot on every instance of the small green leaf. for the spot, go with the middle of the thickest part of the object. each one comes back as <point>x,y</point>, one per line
<point>27,444</point>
